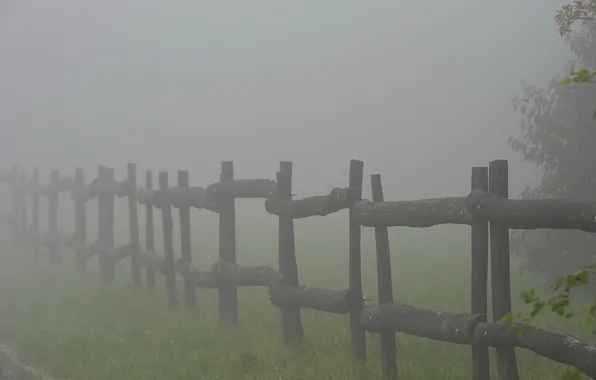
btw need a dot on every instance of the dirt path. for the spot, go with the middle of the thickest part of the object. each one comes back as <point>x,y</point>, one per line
<point>35,371</point>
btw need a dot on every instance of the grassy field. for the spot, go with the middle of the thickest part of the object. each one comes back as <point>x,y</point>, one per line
<point>65,323</point>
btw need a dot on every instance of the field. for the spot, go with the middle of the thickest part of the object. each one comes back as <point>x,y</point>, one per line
<point>68,325</point>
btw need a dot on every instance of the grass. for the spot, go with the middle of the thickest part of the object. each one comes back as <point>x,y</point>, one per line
<point>65,322</point>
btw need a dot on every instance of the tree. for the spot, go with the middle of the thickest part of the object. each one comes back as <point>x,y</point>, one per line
<point>558,134</point>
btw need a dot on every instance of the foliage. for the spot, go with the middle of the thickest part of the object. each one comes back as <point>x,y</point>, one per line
<point>557,134</point>
<point>576,11</point>
<point>570,94</point>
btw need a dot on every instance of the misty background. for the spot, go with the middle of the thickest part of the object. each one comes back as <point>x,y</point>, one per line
<point>420,91</point>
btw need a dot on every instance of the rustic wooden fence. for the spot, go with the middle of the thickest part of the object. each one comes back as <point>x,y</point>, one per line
<point>487,209</point>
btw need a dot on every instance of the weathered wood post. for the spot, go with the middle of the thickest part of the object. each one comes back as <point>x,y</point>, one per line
<point>358,335</point>
<point>479,277</point>
<point>14,223</point>
<point>185,240</point>
<point>228,294</point>
<point>500,269</point>
<point>385,284</point>
<point>24,230</point>
<point>80,233</point>
<point>35,191</point>
<point>105,206</point>
<point>149,232</point>
<point>168,243</point>
<point>52,195</point>
<point>133,223</point>
<point>291,319</point>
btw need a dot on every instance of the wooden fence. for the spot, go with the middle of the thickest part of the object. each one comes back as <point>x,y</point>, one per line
<point>487,209</point>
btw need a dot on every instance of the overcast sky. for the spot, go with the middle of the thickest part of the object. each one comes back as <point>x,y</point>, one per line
<point>420,91</point>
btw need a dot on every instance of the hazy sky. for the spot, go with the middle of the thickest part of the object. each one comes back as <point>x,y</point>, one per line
<point>420,91</point>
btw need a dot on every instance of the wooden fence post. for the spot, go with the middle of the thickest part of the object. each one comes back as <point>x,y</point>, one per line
<point>228,294</point>
<point>500,269</point>
<point>385,284</point>
<point>133,223</point>
<point>24,230</point>
<point>479,276</point>
<point>35,212</point>
<point>105,206</point>
<point>80,233</point>
<point>168,243</point>
<point>358,335</point>
<point>149,233</point>
<point>14,177</point>
<point>291,319</point>
<point>52,195</point>
<point>185,241</point>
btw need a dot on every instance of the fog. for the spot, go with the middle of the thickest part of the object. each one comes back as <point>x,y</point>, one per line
<point>420,92</point>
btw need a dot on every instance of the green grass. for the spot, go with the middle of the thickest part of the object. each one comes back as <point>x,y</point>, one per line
<point>66,323</point>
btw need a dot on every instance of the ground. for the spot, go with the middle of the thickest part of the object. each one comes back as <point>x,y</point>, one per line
<point>70,327</point>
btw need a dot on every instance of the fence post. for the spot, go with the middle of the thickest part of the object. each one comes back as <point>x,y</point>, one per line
<point>133,223</point>
<point>358,335</point>
<point>14,223</point>
<point>149,233</point>
<point>479,276</point>
<point>105,211</point>
<point>291,319</point>
<point>25,235</point>
<point>500,269</point>
<point>228,294</point>
<point>185,241</point>
<point>80,233</point>
<point>385,284</point>
<point>168,243</point>
<point>52,195</point>
<point>35,190</point>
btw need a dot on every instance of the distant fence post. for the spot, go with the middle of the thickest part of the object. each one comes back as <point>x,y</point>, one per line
<point>291,319</point>
<point>80,233</point>
<point>35,190</point>
<point>385,284</point>
<point>185,240</point>
<point>479,276</point>
<point>228,294</point>
<point>168,243</point>
<point>52,195</point>
<point>358,335</point>
<point>105,211</point>
<point>500,269</point>
<point>133,223</point>
<point>14,218</point>
<point>149,233</point>
<point>25,235</point>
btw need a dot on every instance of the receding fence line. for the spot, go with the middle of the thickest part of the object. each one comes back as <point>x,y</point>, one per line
<point>486,208</point>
